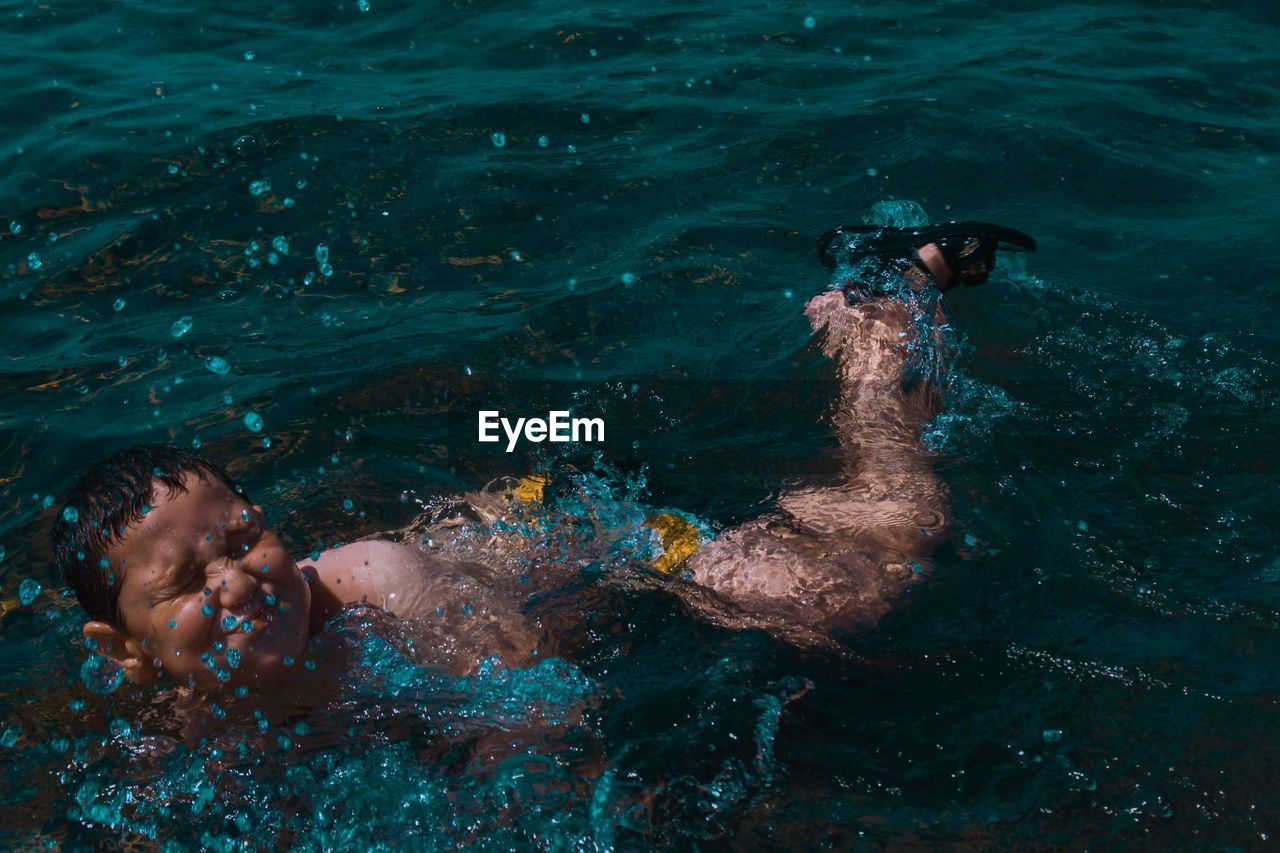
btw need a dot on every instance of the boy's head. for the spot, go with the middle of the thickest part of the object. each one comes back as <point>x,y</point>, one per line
<point>178,572</point>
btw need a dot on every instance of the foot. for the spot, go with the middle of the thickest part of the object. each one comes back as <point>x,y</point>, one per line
<point>931,256</point>
<point>951,253</point>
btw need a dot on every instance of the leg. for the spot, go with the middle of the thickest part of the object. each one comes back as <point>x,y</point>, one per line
<point>836,558</point>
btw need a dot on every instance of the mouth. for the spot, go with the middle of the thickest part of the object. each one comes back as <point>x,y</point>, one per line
<point>251,612</point>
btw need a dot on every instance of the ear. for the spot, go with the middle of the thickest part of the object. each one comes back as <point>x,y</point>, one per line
<point>123,649</point>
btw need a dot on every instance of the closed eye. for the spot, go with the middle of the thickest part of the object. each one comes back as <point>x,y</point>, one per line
<point>185,578</point>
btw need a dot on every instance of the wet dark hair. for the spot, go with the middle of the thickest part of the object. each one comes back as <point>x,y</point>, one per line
<point>106,500</point>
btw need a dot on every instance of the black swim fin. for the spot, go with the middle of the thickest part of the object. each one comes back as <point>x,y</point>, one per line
<point>968,247</point>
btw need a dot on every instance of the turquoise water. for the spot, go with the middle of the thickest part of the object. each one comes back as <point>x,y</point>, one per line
<point>378,222</point>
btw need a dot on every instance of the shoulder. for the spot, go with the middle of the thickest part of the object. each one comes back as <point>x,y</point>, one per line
<point>373,570</point>
<point>377,552</point>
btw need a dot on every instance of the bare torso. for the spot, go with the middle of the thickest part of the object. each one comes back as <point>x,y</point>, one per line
<point>459,616</point>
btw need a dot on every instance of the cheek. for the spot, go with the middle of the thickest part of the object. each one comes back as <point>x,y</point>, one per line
<point>186,627</point>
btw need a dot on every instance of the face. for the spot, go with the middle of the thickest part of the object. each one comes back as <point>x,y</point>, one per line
<point>208,592</point>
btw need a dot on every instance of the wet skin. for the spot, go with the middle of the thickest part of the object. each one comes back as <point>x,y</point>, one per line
<point>211,597</point>
<point>209,593</point>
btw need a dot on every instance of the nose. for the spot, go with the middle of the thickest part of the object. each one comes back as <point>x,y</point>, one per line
<point>236,588</point>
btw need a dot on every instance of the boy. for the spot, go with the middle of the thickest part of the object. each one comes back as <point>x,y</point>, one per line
<point>179,573</point>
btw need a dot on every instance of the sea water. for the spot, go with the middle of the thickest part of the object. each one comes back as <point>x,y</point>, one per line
<point>314,239</point>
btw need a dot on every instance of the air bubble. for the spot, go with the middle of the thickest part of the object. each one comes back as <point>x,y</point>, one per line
<point>34,262</point>
<point>281,244</point>
<point>181,326</point>
<point>810,22</point>
<point>498,138</point>
<point>71,515</point>
<point>543,142</point>
<point>217,364</point>
<point>259,187</point>
<point>253,421</point>
<point>28,591</point>
<point>249,56</point>
<point>101,675</point>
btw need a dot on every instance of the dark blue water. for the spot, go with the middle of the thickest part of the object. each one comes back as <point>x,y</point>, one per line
<point>378,222</point>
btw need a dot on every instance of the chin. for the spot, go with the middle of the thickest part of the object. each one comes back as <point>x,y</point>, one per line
<point>263,651</point>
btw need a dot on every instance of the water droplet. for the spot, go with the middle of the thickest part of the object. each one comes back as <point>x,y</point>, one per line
<point>10,736</point>
<point>28,590</point>
<point>101,675</point>
<point>249,56</point>
<point>253,421</point>
<point>970,540</point>
<point>173,623</point>
<point>246,626</point>
<point>266,441</point>
<point>269,599</point>
<point>228,622</point>
<point>348,504</point>
<point>104,564</point>
<point>322,253</point>
<point>15,227</point>
<point>118,304</point>
<point>259,187</point>
<point>2,553</point>
<point>872,172</point>
<point>788,293</point>
<point>1082,526</point>
<point>181,326</point>
<point>206,610</point>
<point>628,278</point>
<point>71,515</point>
<point>245,145</point>
<point>34,262</point>
<point>810,22</point>
<point>288,660</point>
<point>363,5</point>
<point>217,364</point>
<point>195,444</point>
<point>498,138</point>
<point>586,118</point>
<point>543,142</point>
<point>281,244</point>
<point>233,658</point>
<point>1052,735</point>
